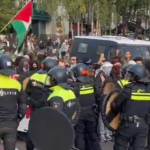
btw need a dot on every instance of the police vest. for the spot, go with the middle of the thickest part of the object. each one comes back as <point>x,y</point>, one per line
<point>59,91</point>
<point>138,102</point>
<point>86,95</point>
<point>70,103</point>
<point>38,80</point>
<point>9,91</point>
<point>122,83</point>
<point>9,83</point>
<point>87,89</point>
<point>140,96</point>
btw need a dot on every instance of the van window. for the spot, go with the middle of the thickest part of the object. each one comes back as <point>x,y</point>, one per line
<point>135,50</point>
<point>82,48</point>
<point>101,49</point>
<point>114,51</point>
<point>145,51</point>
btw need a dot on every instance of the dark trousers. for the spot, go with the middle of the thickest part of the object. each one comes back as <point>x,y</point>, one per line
<point>138,136</point>
<point>86,132</point>
<point>8,133</point>
<point>29,144</point>
<point>87,143</point>
<point>148,140</point>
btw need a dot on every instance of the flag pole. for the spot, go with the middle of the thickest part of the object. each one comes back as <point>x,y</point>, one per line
<point>13,18</point>
<point>6,25</point>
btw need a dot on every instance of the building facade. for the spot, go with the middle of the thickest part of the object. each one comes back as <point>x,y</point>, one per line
<point>44,24</point>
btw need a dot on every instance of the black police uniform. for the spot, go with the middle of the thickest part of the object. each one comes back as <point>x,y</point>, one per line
<point>12,104</point>
<point>63,98</point>
<point>35,89</point>
<point>87,124</point>
<point>37,92</point>
<point>134,103</point>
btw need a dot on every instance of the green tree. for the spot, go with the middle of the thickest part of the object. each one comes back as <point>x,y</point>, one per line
<point>74,8</point>
<point>49,6</point>
<point>7,12</point>
<point>101,11</point>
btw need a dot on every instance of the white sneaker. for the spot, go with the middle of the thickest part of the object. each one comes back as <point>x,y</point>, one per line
<point>108,137</point>
<point>103,139</point>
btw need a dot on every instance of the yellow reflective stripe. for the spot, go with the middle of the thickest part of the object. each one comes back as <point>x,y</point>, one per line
<point>140,98</point>
<point>87,90</point>
<point>141,94</point>
<point>119,82</point>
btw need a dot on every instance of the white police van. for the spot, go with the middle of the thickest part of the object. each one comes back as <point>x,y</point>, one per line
<point>93,46</point>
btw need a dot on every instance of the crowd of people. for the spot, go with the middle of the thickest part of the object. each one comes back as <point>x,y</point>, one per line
<point>52,68</point>
<point>46,46</point>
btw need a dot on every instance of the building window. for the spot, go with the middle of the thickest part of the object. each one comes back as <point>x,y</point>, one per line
<point>82,48</point>
<point>101,49</point>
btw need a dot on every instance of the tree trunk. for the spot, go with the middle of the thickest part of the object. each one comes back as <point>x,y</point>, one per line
<point>92,20</point>
<point>71,27</point>
<point>78,27</point>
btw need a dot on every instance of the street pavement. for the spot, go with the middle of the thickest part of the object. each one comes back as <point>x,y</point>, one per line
<point>21,146</point>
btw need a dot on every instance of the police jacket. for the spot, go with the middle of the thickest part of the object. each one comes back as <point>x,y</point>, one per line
<point>36,90</point>
<point>85,94</point>
<point>133,100</point>
<point>12,99</point>
<point>64,100</point>
<point>122,83</point>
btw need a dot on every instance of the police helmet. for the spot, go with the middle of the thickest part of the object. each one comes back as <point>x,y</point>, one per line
<point>137,72</point>
<point>124,69</point>
<point>47,64</point>
<point>80,72</point>
<point>58,76</point>
<point>6,66</point>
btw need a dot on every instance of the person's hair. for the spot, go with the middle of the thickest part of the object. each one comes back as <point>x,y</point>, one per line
<point>116,58</point>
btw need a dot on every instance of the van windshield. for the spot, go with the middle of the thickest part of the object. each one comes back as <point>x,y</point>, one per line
<point>135,50</point>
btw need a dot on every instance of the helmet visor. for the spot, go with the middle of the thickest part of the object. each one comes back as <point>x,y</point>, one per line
<point>129,76</point>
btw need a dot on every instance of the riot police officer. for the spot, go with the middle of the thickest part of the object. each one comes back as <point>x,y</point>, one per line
<point>35,88</point>
<point>12,103</point>
<point>134,104</point>
<point>37,92</point>
<point>87,124</point>
<point>63,98</point>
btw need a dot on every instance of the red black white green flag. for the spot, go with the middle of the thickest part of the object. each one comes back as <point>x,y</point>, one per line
<point>21,23</point>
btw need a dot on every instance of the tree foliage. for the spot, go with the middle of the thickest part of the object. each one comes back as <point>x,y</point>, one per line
<point>7,12</point>
<point>50,6</point>
<point>74,8</point>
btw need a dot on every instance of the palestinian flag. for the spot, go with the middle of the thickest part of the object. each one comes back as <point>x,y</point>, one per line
<point>21,23</point>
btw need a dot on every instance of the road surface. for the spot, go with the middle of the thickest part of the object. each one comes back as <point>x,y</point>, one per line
<point>21,146</point>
